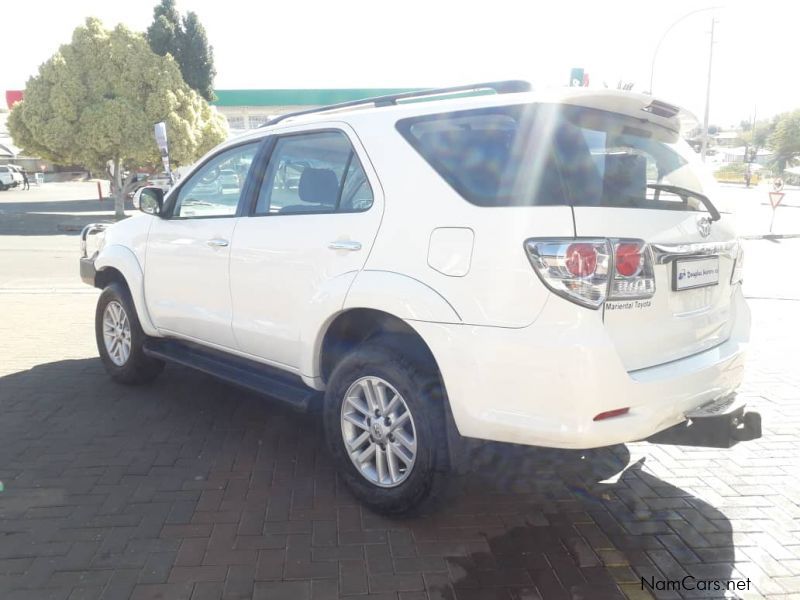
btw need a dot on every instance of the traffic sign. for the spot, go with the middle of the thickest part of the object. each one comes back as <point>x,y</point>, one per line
<point>775,199</point>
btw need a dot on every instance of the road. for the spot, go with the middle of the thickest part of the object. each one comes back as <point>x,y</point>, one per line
<point>190,488</point>
<point>753,211</point>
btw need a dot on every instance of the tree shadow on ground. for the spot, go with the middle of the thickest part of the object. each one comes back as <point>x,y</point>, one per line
<point>65,217</point>
<point>102,477</point>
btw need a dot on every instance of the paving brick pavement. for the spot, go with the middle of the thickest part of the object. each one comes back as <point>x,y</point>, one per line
<point>190,488</point>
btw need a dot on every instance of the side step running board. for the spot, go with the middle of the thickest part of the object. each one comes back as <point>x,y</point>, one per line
<point>243,372</point>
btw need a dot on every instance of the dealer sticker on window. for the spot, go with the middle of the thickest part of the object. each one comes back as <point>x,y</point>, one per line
<point>695,272</point>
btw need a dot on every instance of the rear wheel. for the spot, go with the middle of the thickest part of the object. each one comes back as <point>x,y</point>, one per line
<point>120,338</point>
<point>384,424</point>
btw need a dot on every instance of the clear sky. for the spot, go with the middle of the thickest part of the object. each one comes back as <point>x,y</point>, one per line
<point>375,43</point>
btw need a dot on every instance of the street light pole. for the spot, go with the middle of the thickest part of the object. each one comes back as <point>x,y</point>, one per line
<point>704,146</point>
<point>664,35</point>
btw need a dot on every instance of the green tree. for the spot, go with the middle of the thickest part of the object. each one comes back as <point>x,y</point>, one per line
<point>96,100</point>
<point>759,135</point>
<point>186,40</point>
<point>197,57</point>
<point>164,33</point>
<point>785,140</point>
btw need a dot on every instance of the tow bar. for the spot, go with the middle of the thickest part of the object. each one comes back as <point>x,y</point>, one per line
<point>720,423</point>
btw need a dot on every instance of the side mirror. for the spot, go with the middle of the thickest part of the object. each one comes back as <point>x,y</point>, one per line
<point>150,200</point>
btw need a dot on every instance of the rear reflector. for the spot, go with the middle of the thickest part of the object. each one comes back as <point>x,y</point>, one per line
<point>612,413</point>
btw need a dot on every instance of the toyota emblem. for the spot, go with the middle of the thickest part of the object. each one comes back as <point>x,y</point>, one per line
<point>704,226</point>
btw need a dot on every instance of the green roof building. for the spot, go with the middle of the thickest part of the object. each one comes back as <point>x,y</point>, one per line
<point>248,109</point>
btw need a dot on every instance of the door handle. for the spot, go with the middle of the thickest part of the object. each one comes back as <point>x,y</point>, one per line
<point>345,245</point>
<point>217,243</point>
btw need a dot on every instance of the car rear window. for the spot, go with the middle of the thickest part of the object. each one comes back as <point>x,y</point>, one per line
<point>551,154</point>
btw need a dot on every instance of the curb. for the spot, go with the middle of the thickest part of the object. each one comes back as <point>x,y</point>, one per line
<point>771,236</point>
<point>69,227</point>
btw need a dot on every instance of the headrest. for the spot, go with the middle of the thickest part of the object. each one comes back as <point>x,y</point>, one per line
<point>319,186</point>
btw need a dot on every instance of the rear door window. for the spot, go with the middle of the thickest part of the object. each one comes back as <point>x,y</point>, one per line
<point>314,173</point>
<point>547,154</point>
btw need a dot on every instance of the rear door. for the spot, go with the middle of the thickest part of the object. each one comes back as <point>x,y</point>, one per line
<point>617,169</point>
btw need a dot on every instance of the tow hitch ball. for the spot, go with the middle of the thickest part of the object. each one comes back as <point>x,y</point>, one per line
<point>713,431</point>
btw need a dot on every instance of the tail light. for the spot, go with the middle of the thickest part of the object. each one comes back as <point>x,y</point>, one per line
<point>575,269</point>
<point>633,271</point>
<point>589,271</point>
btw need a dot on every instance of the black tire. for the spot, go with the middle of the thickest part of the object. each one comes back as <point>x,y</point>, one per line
<point>138,368</point>
<point>422,392</point>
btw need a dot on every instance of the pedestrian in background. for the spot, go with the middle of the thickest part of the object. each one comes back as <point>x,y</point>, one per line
<point>26,185</point>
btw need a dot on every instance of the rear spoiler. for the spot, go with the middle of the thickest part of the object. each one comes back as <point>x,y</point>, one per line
<point>639,106</point>
<point>686,120</point>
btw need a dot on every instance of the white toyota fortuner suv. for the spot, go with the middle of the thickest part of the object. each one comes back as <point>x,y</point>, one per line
<point>540,268</point>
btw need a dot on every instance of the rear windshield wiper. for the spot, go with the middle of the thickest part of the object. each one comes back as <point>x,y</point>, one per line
<point>682,191</point>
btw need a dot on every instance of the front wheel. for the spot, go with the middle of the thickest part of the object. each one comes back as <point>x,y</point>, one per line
<point>384,424</point>
<point>120,338</point>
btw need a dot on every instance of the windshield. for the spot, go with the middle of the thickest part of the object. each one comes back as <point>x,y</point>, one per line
<point>549,154</point>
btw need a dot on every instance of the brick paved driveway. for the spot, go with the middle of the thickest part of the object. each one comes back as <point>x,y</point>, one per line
<point>191,488</point>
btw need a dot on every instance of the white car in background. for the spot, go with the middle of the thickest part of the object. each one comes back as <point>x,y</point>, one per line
<point>539,268</point>
<point>10,177</point>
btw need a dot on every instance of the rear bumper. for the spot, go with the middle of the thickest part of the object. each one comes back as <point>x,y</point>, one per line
<point>544,384</point>
<point>723,430</point>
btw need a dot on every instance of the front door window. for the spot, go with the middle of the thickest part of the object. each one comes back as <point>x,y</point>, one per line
<point>214,190</point>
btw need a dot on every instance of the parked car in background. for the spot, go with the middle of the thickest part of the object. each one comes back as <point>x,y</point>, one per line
<point>229,181</point>
<point>9,177</point>
<point>16,173</point>
<point>541,268</point>
<point>161,180</point>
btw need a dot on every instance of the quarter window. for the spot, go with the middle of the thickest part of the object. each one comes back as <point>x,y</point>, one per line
<point>214,190</point>
<point>549,154</point>
<point>314,173</point>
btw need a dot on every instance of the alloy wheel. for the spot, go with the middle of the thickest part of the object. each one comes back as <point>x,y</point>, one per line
<point>378,432</point>
<point>117,333</point>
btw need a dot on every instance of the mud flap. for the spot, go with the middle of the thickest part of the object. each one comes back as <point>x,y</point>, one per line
<point>718,424</point>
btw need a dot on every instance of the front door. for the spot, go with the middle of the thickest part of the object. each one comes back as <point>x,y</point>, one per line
<point>310,232</point>
<point>187,288</point>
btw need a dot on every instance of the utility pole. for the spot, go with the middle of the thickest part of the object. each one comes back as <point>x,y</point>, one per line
<point>704,147</point>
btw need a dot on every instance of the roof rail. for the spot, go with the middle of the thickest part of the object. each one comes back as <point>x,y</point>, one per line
<point>511,86</point>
